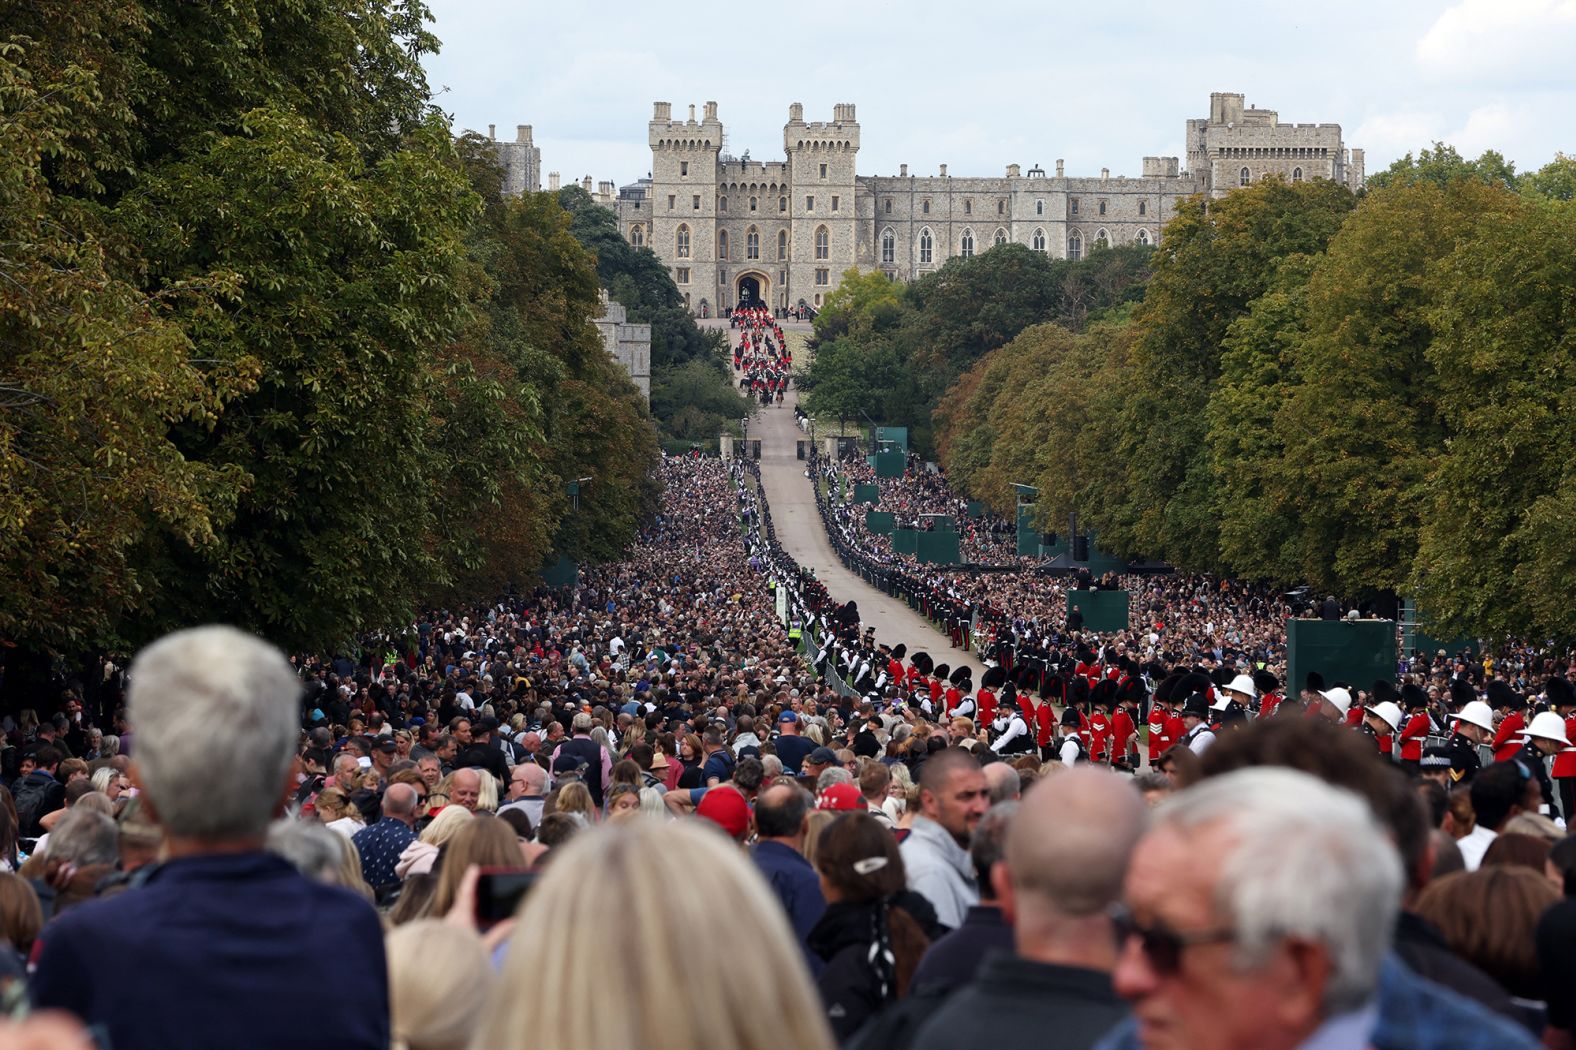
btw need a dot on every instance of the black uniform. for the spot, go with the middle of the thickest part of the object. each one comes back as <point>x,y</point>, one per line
<point>1464,761</point>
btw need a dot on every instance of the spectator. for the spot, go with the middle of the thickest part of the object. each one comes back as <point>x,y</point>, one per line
<point>39,793</point>
<point>440,983</point>
<point>333,808</point>
<point>1003,782</point>
<point>673,876</point>
<point>207,700</point>
<point>381,844</point>
<point>83,849</point>
<point>874,781</point>
<point>873,932</point>
<point>782,818</point>
<point>792,748</point>
<point>1490,918</point>
<point>581,751</point>
<point>954,960</point>
<point>319,854</point>
<point>1261,903</point>
<point>952,799</point>
<point>484,841</point>
<point>1498,793</point>
<point>527,791</point>
<point>1067,852</point>
<point>465,789</point>
<point>21,918</point>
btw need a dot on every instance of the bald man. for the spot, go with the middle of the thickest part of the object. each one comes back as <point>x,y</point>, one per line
<point>1068,848</point>
<point>465,788</point>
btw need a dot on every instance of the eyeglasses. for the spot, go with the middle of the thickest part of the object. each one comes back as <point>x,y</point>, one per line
<point>1163,948</point>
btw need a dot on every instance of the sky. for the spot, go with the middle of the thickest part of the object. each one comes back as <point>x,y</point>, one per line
<point>980,86</point>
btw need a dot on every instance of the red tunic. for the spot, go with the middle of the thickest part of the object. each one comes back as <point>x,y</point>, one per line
<point>1565,758</point>
<point>1175,731</point>
<point>1413,733</point>
<point>954,697</point>
<point>1268,703</point>
<point>1507,740</point>
<point>1157,732</point>
<point>1354,717</point>
<point>1045,718</point>
<point>985,700</point>
<point>1122,733</point>
<point>1099,736</point>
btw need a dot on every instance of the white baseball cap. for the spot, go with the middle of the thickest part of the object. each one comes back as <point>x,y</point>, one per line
<point>1340,698</point>
<point>1477,713</point>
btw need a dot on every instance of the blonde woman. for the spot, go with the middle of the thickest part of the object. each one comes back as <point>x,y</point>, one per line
<point>487,798</point>
<point>440,981</point>
<point>673,875</point>
<point>574,798</point>
<point>418,857</point>
<point>334,809</point>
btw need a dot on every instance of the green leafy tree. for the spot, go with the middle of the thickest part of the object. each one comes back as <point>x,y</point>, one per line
<point>1556,180</point>
<point>1214,262</point>
<point>92,378</point>
<point>1497,546</point>
<point>1362,430</point>
<point>1442,165</point>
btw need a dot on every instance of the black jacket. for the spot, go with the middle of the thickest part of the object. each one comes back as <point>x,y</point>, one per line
<point>850,987</point>
<point>1015,1002</point>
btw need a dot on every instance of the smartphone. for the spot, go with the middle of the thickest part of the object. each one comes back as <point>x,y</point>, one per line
<point>499,892</point>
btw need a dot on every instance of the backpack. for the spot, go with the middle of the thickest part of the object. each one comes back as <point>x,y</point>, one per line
<point>33,800</point>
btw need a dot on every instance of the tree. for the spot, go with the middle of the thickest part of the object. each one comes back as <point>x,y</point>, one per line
<point>1362,430</point>
<point>92,377</point>
<point>1442,165</point>
<point>1497,546</point>
<point>1556,180</point>
<point>1216,259</point>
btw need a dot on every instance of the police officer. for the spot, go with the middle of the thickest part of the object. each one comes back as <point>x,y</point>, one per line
<point>1196,734</point>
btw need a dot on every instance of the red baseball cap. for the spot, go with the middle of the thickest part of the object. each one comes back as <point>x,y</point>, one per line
<point>840,798</point>
<point>726,808</point>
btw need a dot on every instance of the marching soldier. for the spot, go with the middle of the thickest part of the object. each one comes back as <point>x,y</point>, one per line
<point>1474,725</point>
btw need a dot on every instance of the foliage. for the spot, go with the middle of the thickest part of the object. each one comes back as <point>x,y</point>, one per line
<point>1442,165</point>
<point>1556,180</point>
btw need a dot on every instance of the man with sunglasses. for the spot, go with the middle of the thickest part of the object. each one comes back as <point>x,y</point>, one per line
<point>1258,916</point>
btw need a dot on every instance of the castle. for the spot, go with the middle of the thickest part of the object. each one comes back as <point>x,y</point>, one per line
<point>782,232</point>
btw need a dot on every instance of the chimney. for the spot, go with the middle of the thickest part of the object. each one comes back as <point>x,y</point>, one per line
<point>711,111</point>
<point>522,133</point>
<point>585,184</point>
<point>796,113</point>
<point>1013,171</point>
<point>902,169</point>
<point>692,113</point>
<point>492,132</point>
<point>552,181</point>
<point>1060,169</point>
<point>943,171</point>
<point>1105,173</point>
<point>662,111</point>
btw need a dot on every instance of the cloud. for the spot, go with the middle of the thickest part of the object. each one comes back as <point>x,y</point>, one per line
<point>1395,134</point>
<point>1518,42</point>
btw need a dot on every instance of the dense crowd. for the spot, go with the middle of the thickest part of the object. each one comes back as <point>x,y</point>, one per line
<point>691,801</point>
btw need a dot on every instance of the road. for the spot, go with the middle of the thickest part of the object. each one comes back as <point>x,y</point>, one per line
<point>792,499</point>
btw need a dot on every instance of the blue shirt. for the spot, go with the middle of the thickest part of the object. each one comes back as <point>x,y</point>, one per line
<point>797,886</point>
<point>221,951</point>
<point>380,846</point>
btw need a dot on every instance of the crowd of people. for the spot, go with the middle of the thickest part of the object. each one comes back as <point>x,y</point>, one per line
<point>762,360</point>
<point>693,801</point>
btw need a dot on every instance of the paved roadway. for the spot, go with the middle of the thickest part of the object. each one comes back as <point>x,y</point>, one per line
<point>799,529</point>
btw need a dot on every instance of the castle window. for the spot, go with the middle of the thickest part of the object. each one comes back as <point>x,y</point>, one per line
<point>823,247</point>
<point>722,204</point>
<point>672,200</point>
<point>683,168</point>
<point>1001,207</point>
<point>722,276</point>
<point>1037,242</point>
<point>683,274</point>
<point>1039,207</point>
<point>686,301</point>
<point>637,236</point>
<point>1296,174</point>
<point>926,246</point>
<point>695,202</point>
<point>782,244</point>
<point>1075,247</point>
<point>1001,237</point>
<point>1102,207</point>
<point>681,242</point>
<point>1072,206</point>
<point>834,202</point>
<point>1244,177</point>
<point>925,207</point>
<point>968,207</point>
<point>809,204</point>
<point>1102,240</point>
<point>752,244</point>
<point>966,245</point>
<point>823,276</point>
<point>782,203</point>
<point>722,244</point>
<point>823,171</point>
<point>888,204</point>
<point>1143,207</point>
<point>888,246</point>
<point>753,202</point>
<point>1143,238</point>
